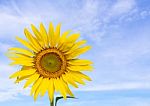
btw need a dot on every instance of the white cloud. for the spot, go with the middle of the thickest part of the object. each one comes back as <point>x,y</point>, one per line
<point>116,86</point>
<point>12,25</point>
<point>4,47</point>
<point>122,7</point>
<point>128,51</point>
<point>8,95</point>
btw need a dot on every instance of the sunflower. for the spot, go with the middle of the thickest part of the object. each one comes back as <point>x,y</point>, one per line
<point>50,61</point>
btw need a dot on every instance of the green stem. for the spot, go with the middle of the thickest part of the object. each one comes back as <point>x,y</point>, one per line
<point>52,103</point>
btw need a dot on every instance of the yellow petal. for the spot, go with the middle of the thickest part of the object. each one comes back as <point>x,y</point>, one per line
<point>35,85</point>
<point>80,75</point>
<point>44,35</point>
<point>37,91</point>
<point>80,68</point>
<point>63,38</point>
<point>79,80</point>
<point>22,51</point>
<point>62,87</point>
<point>38,36</point>
<point>57,34</point>
<point>32,79</point>
<point>75,46</point>
<point>66,46</point>
<point>69,91</point>
<point>69,80</point>
<point>32,40</point>
<point>36,32</point>
<point>78,52</point>
<point>21,57</point>
<point>69,42</point>
<point>51,89</point>
<point>25,43</point>
<point>72,38</point>
<point>65,87</point>
<point>44,86</point>
<point>51,35</point>
<point>23,73</point>
<point>22,78</point>
<point>80,62</point>
<point>56,86</point>
<point>25,63</point>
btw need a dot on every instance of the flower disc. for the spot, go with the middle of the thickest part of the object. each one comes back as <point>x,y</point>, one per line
<point>50,63</point>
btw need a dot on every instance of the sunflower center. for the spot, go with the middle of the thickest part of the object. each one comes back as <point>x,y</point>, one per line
<point>51,62</point>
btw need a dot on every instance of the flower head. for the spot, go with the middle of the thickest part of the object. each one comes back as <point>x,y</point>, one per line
<point>50,61</point>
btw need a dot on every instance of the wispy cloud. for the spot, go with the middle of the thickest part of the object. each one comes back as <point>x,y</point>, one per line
<point>4,47</point>
<point>117,86</point>
<point>122,7</point>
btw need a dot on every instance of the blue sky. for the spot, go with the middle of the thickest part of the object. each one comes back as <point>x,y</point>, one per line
<point>118,31</point>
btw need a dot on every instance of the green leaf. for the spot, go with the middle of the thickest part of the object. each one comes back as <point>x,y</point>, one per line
<point>61,97</point>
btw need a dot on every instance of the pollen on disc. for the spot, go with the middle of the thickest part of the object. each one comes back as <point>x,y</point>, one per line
<point>51,62</point>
